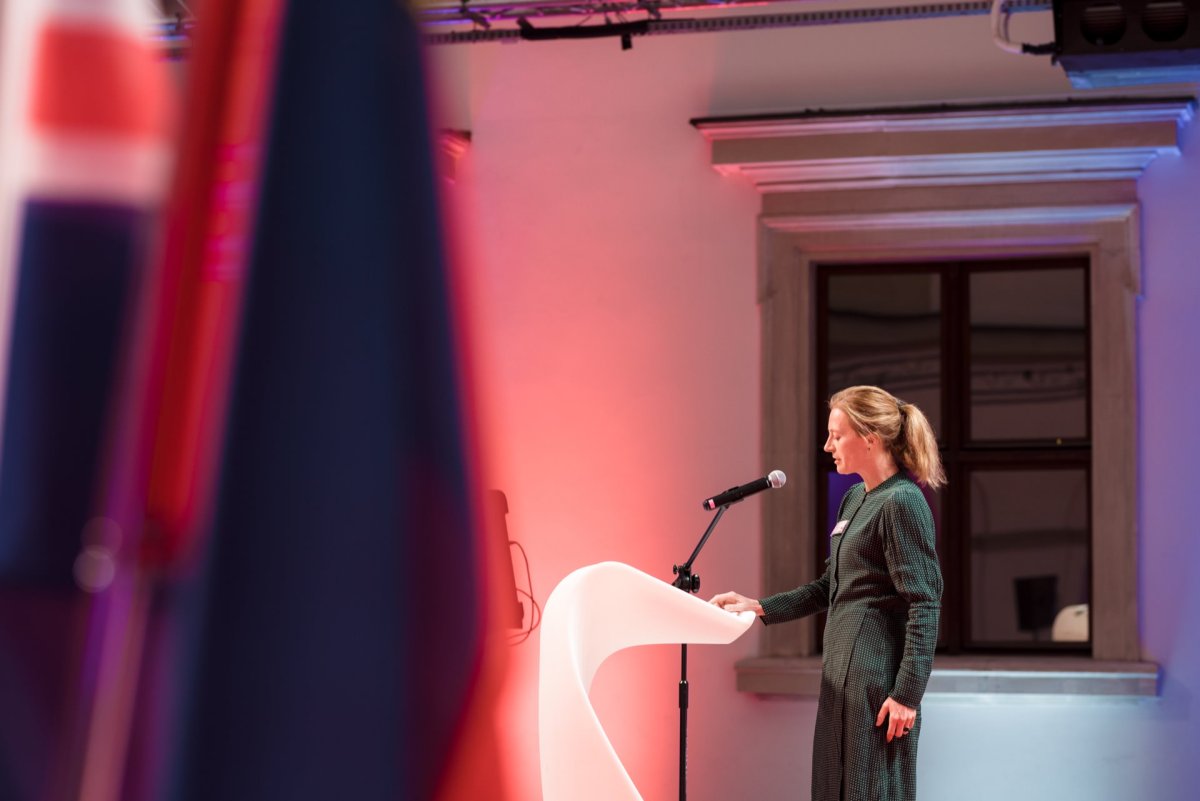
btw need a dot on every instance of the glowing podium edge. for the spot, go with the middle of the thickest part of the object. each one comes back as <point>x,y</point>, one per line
<point>593,613</point>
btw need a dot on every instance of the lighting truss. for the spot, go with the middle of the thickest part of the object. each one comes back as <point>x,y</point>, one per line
<point>470,21</point>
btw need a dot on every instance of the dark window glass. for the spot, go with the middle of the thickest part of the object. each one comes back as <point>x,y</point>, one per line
<point>885,330</point>
<point>1028,354</point>
<point>1029,552</point>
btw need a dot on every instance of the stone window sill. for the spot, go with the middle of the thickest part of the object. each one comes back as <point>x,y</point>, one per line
<point>1008,675</point>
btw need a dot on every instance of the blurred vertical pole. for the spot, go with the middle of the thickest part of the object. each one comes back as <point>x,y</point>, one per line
<point>171,415</point>
<point>208,228</point>
<point>342,646</point>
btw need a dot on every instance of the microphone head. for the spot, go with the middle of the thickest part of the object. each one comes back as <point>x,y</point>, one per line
<point>776,478</point>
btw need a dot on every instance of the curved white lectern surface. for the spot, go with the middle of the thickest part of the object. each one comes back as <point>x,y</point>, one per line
<point>593,613</point>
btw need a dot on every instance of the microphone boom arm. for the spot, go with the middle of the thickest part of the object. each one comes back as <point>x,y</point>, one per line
<point>684,579</point>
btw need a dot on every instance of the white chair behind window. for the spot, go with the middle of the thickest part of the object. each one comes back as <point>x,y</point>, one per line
<point>1070,624</point>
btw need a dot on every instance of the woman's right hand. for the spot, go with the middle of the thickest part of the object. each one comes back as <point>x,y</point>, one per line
<point>732,602</point>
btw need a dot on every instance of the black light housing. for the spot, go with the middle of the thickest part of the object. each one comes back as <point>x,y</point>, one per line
<point>1105,43</point>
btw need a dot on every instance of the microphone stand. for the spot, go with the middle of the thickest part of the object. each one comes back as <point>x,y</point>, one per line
<point>688,582</point>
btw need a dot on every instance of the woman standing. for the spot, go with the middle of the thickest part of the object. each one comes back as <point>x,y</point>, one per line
<point>883,588</point>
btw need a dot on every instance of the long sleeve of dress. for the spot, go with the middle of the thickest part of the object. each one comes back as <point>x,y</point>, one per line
<point>804,600</point>
<point>913,566</point>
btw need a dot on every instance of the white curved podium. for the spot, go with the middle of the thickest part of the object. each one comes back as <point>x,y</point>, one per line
<point>593,613</point>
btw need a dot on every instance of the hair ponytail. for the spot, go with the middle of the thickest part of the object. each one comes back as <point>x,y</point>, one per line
<point>900,426</point>
<point>917,447</point>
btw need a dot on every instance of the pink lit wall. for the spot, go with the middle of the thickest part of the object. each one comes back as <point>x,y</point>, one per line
<point>611,281</point>
<point>617,343</point>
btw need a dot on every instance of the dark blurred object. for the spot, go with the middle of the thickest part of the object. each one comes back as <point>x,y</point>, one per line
<point>1037,602</point>
<point>40,643</point>
<point>75,272</point>
<point>497,504</point>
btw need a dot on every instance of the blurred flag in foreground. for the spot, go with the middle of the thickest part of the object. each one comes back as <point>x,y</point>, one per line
<point>344,647</point>
<point>84,153</point>
<point>83,161</point>
<point>157,490</point>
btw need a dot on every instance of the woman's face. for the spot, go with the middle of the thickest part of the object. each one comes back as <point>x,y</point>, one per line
<point>851,452</point>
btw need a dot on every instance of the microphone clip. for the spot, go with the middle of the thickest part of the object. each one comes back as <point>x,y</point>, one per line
<point>685,579</point>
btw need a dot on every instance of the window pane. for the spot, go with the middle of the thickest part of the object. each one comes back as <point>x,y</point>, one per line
<point>885,329</point>
<point>1028,354</point>
<point>1028,551</point>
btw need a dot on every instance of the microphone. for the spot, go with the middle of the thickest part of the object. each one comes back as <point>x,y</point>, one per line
<point>773,480</point>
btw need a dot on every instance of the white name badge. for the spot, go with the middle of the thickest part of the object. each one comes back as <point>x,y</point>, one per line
<point>840,527</point>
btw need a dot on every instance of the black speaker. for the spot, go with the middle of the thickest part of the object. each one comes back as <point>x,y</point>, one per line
<point>1037,601</point>
<point>1121,42</point>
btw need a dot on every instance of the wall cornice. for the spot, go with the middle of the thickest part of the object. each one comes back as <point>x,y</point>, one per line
<point>1039,142</point>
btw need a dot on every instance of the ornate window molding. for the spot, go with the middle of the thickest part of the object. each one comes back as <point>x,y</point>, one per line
<point>1021,181</point>
<point>1102,139</point>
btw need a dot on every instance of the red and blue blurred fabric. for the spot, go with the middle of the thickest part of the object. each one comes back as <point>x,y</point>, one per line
<point>343,621</point>
<point>271,407</point>
<point>84,153</point>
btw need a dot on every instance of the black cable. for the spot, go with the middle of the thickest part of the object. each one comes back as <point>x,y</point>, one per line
<point>535,612</point>
<point>1046,49</point>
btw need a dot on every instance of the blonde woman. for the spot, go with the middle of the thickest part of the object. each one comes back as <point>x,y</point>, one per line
<point>882,586</point>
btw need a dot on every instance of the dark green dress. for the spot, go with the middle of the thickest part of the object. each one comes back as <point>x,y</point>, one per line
<point>883,589</point>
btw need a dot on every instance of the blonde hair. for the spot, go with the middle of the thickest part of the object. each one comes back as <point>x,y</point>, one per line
<point>901,427</point>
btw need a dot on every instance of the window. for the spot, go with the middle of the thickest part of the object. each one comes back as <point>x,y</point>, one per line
<point>1055,180</point>
<point>996,353</point>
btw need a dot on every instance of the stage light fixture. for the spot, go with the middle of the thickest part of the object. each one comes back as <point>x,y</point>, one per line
<point>1108,43</point>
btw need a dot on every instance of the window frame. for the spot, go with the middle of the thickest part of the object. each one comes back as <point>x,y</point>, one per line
<point>1024,179</point>
<point>792,244</point>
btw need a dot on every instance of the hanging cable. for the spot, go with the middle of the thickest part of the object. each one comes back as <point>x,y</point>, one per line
<point>999,18</point>
<point>535,612</point>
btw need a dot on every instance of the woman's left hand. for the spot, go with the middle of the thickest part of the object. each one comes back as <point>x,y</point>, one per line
<point>900,718</point>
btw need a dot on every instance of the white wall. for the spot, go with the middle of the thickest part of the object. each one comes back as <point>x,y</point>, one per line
<point>612,278</point>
